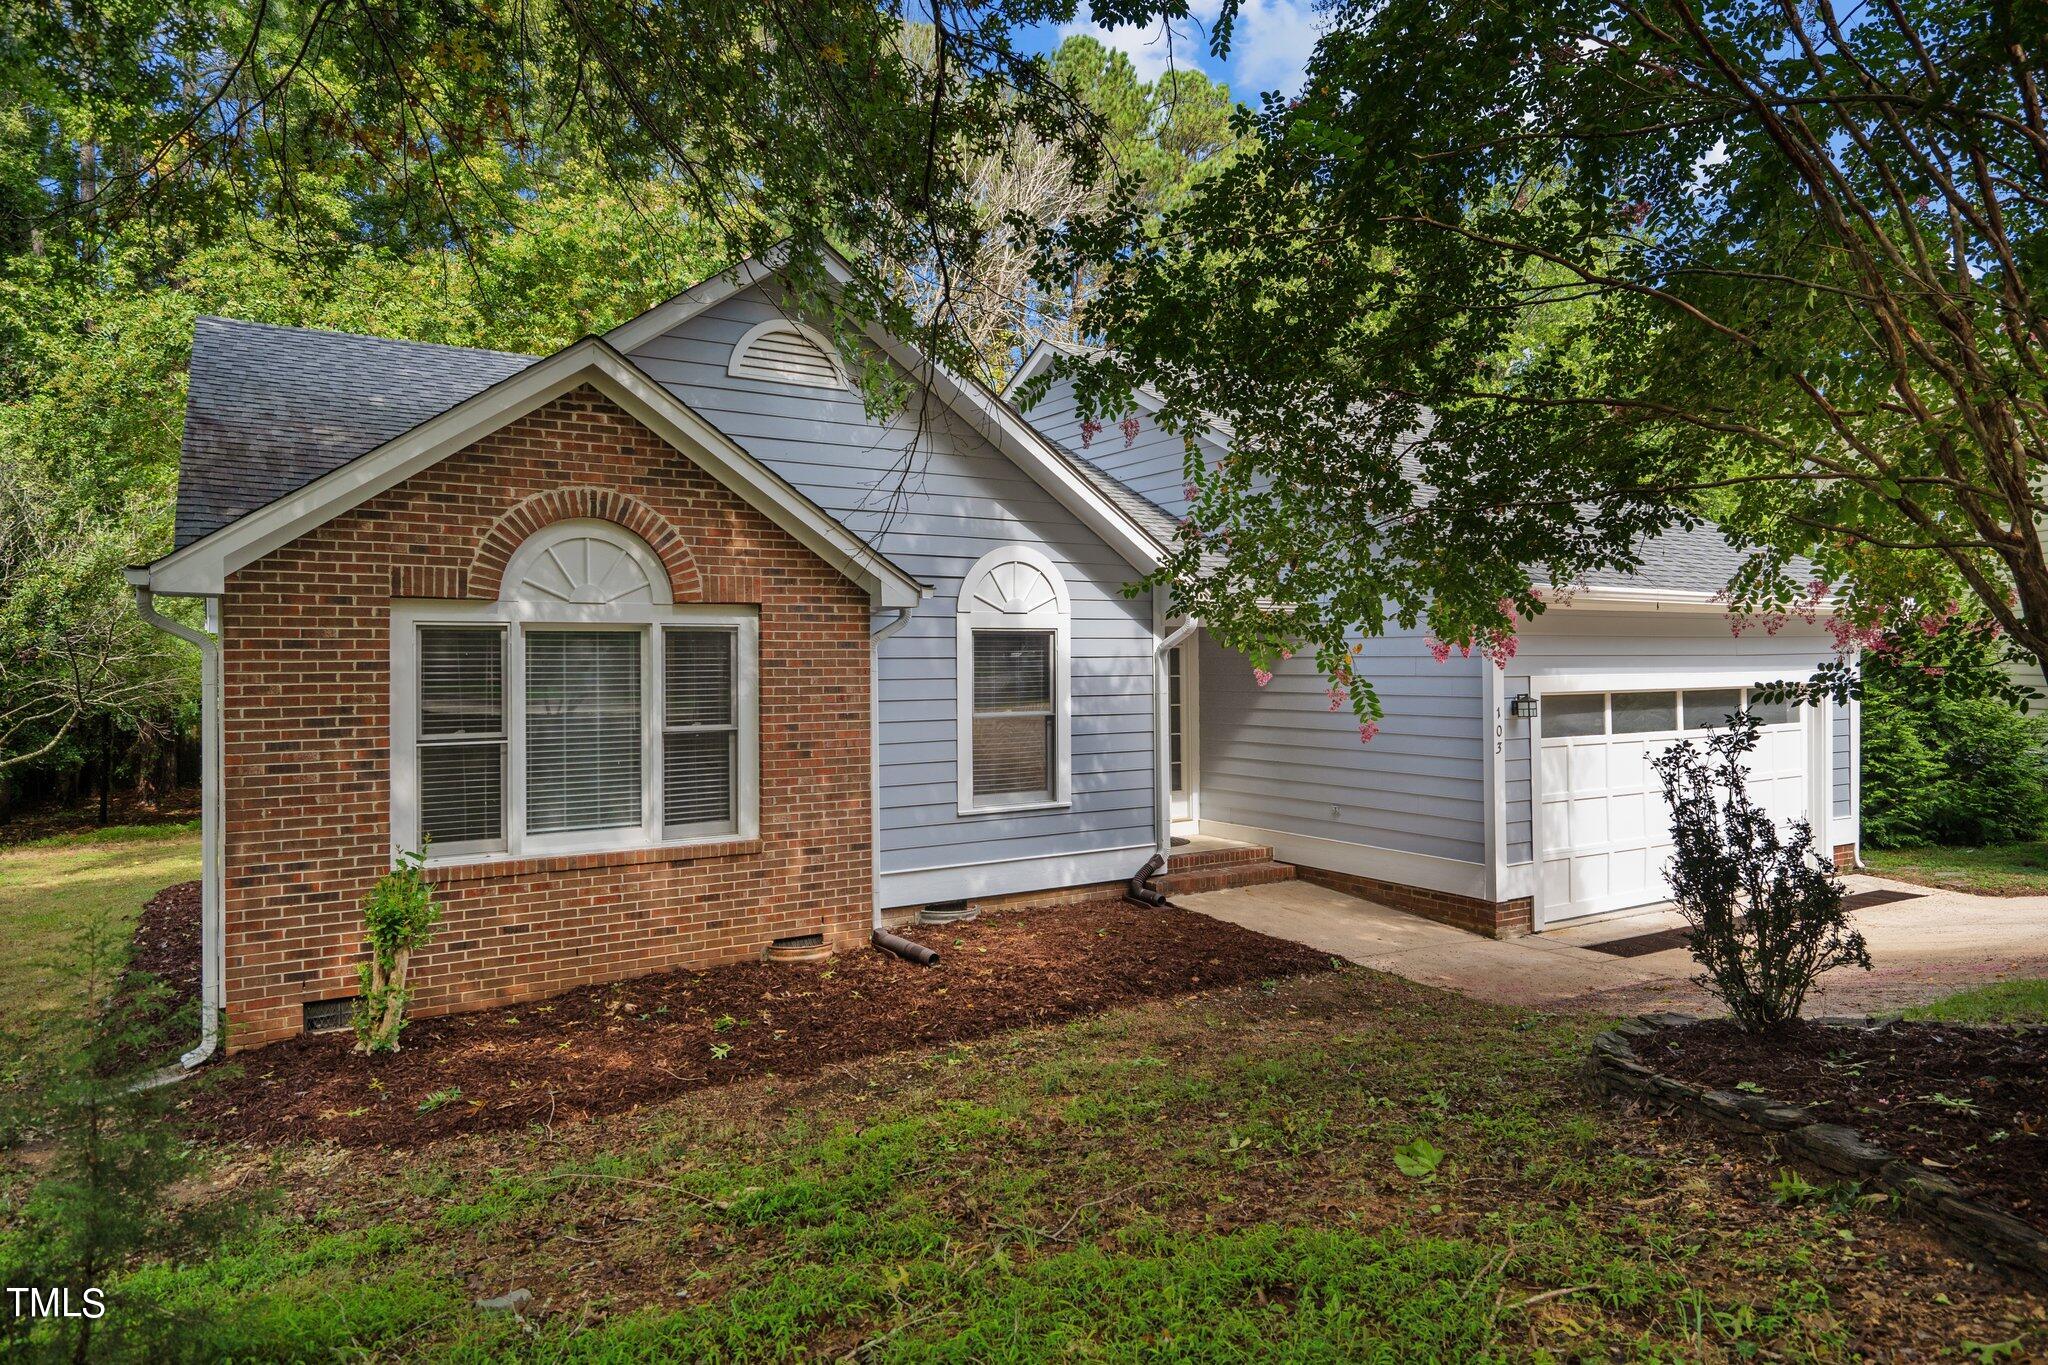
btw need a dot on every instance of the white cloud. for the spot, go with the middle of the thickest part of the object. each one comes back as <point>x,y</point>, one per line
<point>1269,44</point>
<point>1152,51</point>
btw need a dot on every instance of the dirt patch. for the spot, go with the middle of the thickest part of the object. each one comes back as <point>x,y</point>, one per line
<point>613,1047</point>
<point>1972,1102</point>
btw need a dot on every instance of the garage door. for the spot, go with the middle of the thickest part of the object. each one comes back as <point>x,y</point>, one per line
<point>1603,833</point>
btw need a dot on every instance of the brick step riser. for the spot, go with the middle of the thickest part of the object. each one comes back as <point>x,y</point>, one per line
<point>1223,878</point>
<point>1216,857</point>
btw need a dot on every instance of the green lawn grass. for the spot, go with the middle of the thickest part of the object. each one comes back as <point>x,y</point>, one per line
<point>2006,1002</point>
<point>1227,1176</point>
<point>1998,870</point>
<point>52,887</point>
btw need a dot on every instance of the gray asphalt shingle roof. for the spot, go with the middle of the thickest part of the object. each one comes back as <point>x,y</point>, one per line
<point>270,409</point>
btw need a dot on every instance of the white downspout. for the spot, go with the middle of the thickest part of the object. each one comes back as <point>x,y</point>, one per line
<point>1162,767</point>
<point>877,634</point>
<point>212,863</point>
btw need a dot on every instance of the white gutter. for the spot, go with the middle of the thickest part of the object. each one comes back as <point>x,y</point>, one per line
<point>877,634</point>
<point>1162,768</point>
<point>212,947</point>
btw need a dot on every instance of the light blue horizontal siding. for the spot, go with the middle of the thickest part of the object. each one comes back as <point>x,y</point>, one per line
<point>1278,758</point>
<point>1154,462</point>
<point>935,514</point>
<point>1843,763</point>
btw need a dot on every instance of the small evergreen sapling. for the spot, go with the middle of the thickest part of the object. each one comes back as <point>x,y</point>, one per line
<point>398,917</point>
<point>85,1103</point>
<point>1765,908</point>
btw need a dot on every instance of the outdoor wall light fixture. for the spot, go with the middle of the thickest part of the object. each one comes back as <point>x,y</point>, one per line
<point>1524,707</point>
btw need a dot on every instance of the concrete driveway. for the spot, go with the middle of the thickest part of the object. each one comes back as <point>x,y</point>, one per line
<point>1921,949</point>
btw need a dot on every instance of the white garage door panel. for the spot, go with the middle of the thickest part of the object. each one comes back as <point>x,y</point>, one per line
<point>1603,833</point>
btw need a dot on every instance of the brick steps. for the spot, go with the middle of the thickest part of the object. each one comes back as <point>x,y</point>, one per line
<point>1186,860</point>
<point>1219,869</point>
<point>1223,878</point>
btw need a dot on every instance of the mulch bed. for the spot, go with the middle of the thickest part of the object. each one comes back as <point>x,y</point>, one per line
<point>1971,1102</point>
<point>605,1048</point>
<point>167,941</point>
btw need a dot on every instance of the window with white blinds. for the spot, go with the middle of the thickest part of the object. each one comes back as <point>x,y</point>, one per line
<point>699,730</point>
<point>1013,714</point>
<point>583,711</point>
<point>461,736</point>
<point>583,730</point>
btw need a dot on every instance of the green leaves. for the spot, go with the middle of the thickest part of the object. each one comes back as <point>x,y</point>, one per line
<point>1510,288</point>
<point>1419,1159</point>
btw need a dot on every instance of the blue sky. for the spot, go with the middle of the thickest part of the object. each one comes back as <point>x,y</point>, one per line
<point>1269,45</point>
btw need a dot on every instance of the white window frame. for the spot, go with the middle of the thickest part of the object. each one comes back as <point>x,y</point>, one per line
<point>516,616</point>
<point>984,604</point>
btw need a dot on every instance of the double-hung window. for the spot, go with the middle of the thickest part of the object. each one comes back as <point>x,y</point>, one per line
<point>1015,710</point>
<point>582,711</point>
<point>1014,722</point>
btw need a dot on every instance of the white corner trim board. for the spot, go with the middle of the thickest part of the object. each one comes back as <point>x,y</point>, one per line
<point>203,566</point>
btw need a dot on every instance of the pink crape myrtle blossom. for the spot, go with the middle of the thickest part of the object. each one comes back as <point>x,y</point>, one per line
<point>1090,429</point>
<point>1261,676</point>
<point>1191,492</point>
<point>1438,650</point>
<point>1130,428</point>
<point>1339,694</point>
<point>1367,731</point>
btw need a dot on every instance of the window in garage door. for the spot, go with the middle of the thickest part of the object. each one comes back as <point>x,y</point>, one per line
<point>1603,835</point>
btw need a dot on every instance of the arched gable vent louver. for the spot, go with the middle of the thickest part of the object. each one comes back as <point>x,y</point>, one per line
<point>783,352</point>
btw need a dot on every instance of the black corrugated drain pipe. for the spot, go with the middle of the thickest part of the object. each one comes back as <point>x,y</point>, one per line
<point>1139,892</point>
<point>905,949</point>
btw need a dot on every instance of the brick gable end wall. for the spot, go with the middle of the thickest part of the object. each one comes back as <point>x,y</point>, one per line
<point>306,641</point>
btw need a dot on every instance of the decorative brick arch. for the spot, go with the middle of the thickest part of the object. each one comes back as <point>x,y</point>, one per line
<point>494,551</point>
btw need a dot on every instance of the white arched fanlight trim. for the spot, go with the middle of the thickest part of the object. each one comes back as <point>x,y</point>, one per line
<point>1015,589</point>
<point>784,351</point>
<point>585,563</point>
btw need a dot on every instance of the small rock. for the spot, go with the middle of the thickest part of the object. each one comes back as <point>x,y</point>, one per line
<point>510,1302</point>
<point>1669,1019</point>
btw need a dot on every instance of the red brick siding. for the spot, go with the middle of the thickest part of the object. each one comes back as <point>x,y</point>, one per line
<point>306,638</point>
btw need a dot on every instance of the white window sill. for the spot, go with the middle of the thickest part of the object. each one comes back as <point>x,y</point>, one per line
<point>1016,809</point>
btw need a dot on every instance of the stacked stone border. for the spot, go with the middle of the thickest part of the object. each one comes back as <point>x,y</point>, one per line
<point>1790,1131</point>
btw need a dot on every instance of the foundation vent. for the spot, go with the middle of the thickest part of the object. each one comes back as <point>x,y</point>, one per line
<point>329,1016</point>
<point>946,912</point>
<point>798,948</point>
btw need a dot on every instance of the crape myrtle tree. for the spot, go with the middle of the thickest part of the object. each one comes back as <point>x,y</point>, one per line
<point>1511,286</point>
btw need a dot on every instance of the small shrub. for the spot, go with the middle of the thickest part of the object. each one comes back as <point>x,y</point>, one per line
<point>1765,909</point>
<point>1945,767</point>
<point>1901,777</point>
<point>398,917</point>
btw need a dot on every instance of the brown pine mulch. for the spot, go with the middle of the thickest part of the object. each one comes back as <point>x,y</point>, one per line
<point>606,1048</point>
<point>1972,1102</point>
<point>166,942</point>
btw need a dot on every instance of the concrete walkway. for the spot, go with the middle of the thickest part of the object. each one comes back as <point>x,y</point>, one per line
<point>1921,949</point>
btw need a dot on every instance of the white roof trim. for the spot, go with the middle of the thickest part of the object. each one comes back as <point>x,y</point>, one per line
<point>992,418</point>
<point>202,568</point>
